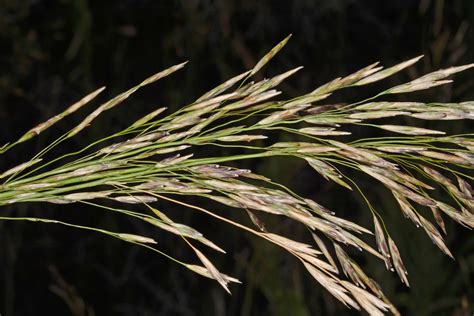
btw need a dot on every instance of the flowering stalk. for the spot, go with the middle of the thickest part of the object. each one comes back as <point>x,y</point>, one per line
<point>153,160</point>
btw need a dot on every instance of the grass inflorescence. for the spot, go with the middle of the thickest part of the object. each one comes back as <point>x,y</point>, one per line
<point>156,162</point>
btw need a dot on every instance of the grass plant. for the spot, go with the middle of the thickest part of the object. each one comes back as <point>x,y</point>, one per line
<point>152,160</point>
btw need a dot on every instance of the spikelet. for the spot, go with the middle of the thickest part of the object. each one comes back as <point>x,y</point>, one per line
<point>382,243</point>
<point>136,238</point>
<point>410,130</point>
<point>217,171</point>
<point>322,131</point>
<point>160,151</point>
<point>384,106</point>
<point>401,149</point>
<point>251,99</point>
<point>73,108</point>
<point>147,137</point>
<point>36,186</point>
<point>465,187</point>
<point>364,155</point>
<point>325,251</point>
<point>81,196</point>
<point>281,115</point>
<point>226,201</point>
<point>370,303</point>
<point>376,114</point>
<point>275,81</point>
<point>222,87</point>
<point>438,218</point>
<point>332,285</point>
<point>20,168</point>
<point>435,236</point>
<point>396,187</point>
<point>148,117</point>
<point>211,102</point>
<point>416,86</point>
<point>232,186</point>
<point>397,261</point>
<point>328,172</point>
<point>122,97</point>
<point>307,99</point>
<point>174,160</point>
<point>205,272</point>
<point>290,244</point>
<point>429,115</point>
<point>347,81</point>
<point>462,218</point>
<point>135,199</point>
<point>387,72</point>
<point>407,209</point>
<point>256,221</point>
<point>213,272</point>
<point>122,147</point>
<point>447,157</point>
<point>174,137</point>
<point>345,223</point>
<point>265,59</point>
<point>346,265</point>
<point>240,138</point>
<point>182,230</point>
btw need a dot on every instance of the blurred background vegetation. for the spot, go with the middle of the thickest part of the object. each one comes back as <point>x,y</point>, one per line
<point>54,52</point>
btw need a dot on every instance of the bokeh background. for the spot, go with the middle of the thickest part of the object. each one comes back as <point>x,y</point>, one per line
<point>54,52</point>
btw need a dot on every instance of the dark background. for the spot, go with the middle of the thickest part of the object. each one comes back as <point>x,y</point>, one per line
<point>54,52</point>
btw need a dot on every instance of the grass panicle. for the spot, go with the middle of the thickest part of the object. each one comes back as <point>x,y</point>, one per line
<point>156,161</point>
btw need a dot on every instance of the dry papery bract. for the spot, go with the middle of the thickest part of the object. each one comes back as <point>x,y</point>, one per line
<point>153,160</point>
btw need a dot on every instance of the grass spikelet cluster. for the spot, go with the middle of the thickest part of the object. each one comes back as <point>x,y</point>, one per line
<point>153,160</point>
